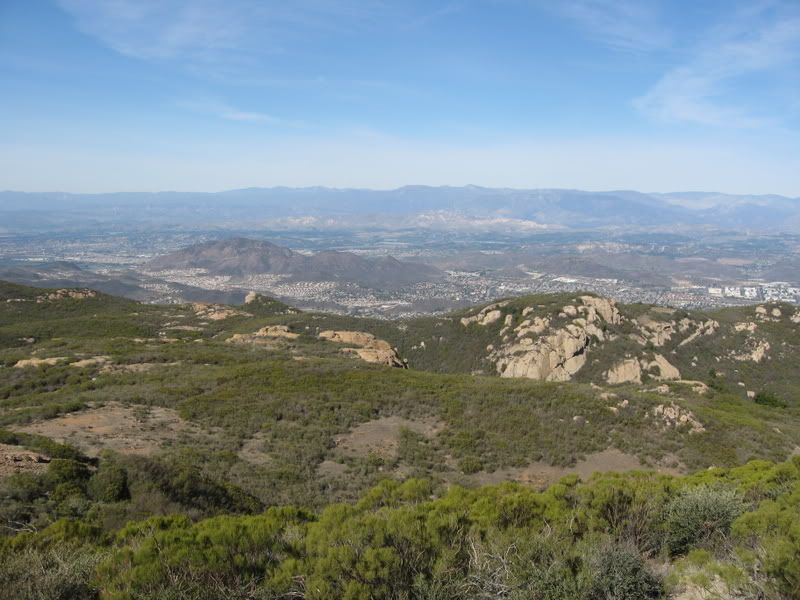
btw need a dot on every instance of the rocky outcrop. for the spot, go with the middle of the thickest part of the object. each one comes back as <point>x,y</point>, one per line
<point>66,294</point>
<point>672,415</point>
<point>486,316</point>
<point>625,371</point>
<point>607,309</point>
<point>534,350</point>
<point>757,354</point>
<point>796,317</point>
<point>263,334</point>
<point>216,312</point>
<point>764,313</point>
<point>554,357</point>
<point>708,327</point>
<point>748,326</point>
<point>369,348</point>
<point>14,460</point>
<point>94,361</point>
<point>665,369</point>
<point>655,332</point>
<point>26,363</point>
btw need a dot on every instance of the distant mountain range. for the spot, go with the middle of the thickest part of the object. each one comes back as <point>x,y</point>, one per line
<point>468,207</point>
<point>241,257</point>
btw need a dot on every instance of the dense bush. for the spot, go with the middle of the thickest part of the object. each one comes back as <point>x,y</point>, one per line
<point>701,516</point>
<point>403,541</point>
<point>618,572</point>
<point>109,483</point>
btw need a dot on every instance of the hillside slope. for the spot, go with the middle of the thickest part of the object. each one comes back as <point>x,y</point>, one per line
<point>114,411</point>
<point>242,256</point>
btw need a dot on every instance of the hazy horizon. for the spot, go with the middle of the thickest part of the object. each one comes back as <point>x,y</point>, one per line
<point>663,192</point>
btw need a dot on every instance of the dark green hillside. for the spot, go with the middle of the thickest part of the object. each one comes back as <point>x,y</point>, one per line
<point>268,416</point>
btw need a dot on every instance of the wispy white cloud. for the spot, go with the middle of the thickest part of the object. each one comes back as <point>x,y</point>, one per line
<point>161,29</point>
<point>628,25</point>
<point>762,40</point>
<point>222,110</point>
<point>220,31</point>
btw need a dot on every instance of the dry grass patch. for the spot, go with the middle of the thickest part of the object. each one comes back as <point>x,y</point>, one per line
<point>381,437</point>
<point>141,430</point>
<point>541,474</point>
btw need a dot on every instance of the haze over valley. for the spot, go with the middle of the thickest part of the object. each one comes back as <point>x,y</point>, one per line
<point>409,251</point>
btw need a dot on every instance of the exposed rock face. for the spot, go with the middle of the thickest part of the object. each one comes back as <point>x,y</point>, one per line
<point>665,369</point>
<point>250,297</point>
<point>758,353</point>
<point>216,312</point>
<point>370,348</point>
<point>537,352</point>
<point>796,317</point>
<point>555,357</point>
<point>749,326</point>
<point>706,328</point>
<point>271,331</point>
<point>626,371</point>
<point>672,415</point>
<point>14,459</point>
<point>656,332</point>
<point>487,315</point>
<point>533,326</point>
<point>66,294</point>
<point>607,309</point>
<point>38,362</point>
<point>94,361</point>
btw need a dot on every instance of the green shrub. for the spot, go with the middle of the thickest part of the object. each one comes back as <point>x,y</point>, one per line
<point>109,483</point>
<point>769,399</point>
<point>701,515</point>
<point>618,572</point>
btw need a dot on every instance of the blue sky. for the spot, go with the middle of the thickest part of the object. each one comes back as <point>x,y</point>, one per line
<point>217,94</point>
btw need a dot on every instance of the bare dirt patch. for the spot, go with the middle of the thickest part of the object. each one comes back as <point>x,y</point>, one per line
<point>14,459</point>
<point>541,474</point>
<point>331,469</point>
<point>382,436</point>
<point>252,451</point>
<point>138,430</point>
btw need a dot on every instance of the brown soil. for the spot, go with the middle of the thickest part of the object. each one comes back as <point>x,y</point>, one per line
<point>252,451</point>
<point>114,426</point>
<point>14,459</point>
<point>331,469</point>
<point>541,474</point>
<point>381,436</point>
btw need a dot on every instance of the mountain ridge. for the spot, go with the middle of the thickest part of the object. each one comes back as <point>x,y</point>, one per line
<point>548,206</point>
<point>243,256</point>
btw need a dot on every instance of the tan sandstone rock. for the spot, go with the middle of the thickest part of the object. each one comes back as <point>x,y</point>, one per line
<point>672,415</point>
<point>626,371</point>
<point>666,370</point>
<point>26,363</point>
<point>370,348</point>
